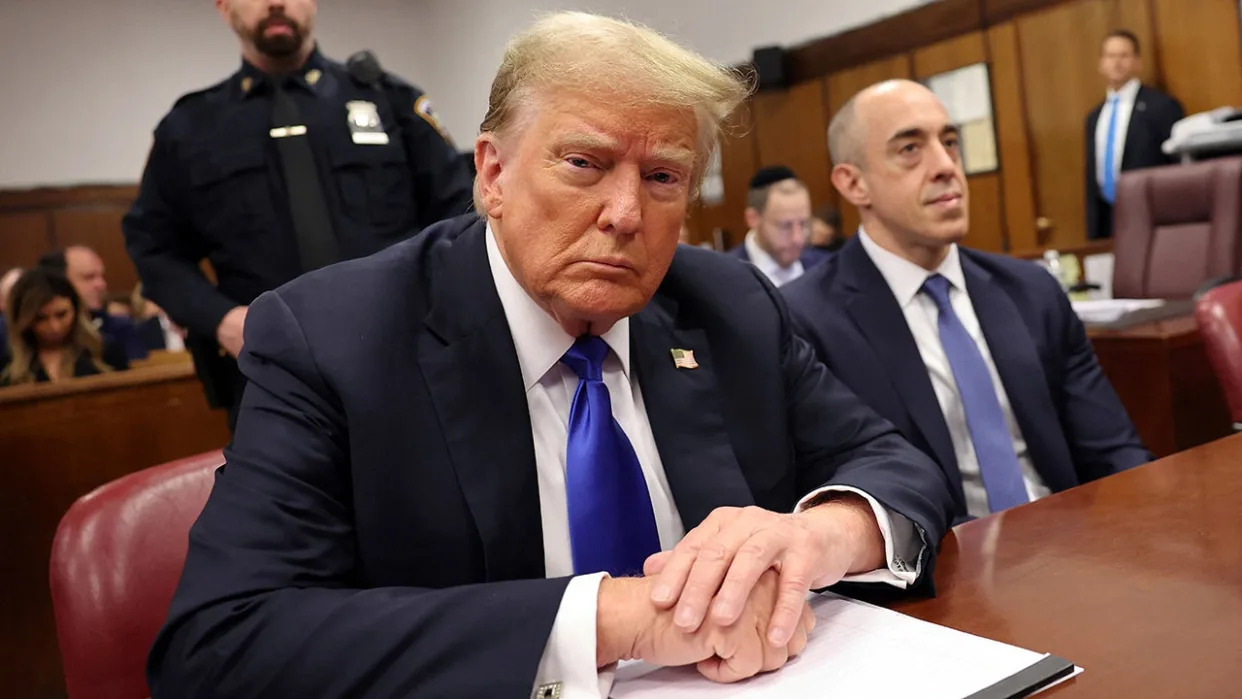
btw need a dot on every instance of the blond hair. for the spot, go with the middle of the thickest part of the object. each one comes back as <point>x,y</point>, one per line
<point>593,54</point>
<point>34,290</point>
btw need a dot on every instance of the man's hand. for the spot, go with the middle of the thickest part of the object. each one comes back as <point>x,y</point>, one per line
<point>628,626</point>
<point>711,574</point>
<point>229,332</point>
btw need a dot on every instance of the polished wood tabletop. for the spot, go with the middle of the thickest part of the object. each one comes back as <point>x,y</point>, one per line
<point>1137,578</point>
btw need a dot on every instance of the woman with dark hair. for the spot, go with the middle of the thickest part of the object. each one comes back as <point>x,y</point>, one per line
<point>50,337</point>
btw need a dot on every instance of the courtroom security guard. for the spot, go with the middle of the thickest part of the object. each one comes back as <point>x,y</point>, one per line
<point>292,163</point>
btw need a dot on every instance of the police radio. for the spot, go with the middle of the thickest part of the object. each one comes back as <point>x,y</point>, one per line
<point>364,68</point>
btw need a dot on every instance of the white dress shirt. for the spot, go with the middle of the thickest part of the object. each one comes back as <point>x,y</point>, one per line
<point>771,269</point>
<point>905,279</point>
<point>540,342</point>
<point>1126,97</point>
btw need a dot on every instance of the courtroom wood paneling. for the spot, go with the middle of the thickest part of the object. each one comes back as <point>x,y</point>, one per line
<point>791,129</point>
<point>59,442</point>
<point>995,11</point>
<point>1059,51</point>
<point>1012,140</point>
<point>950,54</point>
<point>845,84</point>
<point>1199,49</point>
<point>23,237</point>
<point>36,221</point>
<point>99,228</point>
<point>987,222</point>
<point>920,26</point>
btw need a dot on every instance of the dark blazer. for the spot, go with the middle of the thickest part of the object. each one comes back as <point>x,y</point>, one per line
<point>1151,122</point>
<point>376,530</point>
<point>1075,427</point>
<point>810,256</point>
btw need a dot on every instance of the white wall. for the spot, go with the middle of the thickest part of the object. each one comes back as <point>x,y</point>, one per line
<point>464,46</point>
<point>83,82</point>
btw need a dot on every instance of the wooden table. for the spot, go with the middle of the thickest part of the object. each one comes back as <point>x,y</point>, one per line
<point>1137,578</point>
<point>58,442</point>
<point>1161,373</point>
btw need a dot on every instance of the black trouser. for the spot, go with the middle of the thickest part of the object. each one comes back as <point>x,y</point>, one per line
<point>223,382</point>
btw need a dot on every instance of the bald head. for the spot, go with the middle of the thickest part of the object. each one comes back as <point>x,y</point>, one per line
<point>847,133</point>
<point>85,269</point>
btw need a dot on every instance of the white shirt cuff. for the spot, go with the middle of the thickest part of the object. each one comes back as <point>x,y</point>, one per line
<point>568,661</point>
<point>903,543</point>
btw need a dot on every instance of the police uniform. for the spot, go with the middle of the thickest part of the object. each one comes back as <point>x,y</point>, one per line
<point>214,188</point>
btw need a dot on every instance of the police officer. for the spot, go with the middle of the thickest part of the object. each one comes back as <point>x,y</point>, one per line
<point>292,163</point>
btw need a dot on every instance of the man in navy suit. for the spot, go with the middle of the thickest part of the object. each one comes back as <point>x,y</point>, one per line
<point>1125,131</point>
<point>978,359</point>
<point>451,455</point>
<point>778,214</point>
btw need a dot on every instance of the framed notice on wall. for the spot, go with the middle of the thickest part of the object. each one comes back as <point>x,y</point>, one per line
<point>967,94</point>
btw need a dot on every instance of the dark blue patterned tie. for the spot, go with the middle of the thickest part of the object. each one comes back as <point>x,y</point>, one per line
<point>998,463</point>
<point>611,524</point>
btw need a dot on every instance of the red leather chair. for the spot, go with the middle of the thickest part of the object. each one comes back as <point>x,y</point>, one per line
<point>1175,227</point>
<point>1219,313</point>
<point>116,559</point>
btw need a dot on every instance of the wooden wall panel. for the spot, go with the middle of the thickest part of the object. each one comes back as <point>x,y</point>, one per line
<point>845,84</point>
<point>1059,50</point>
<point>98,228</point>
<point>1199,49</point>
<point>23,237</point>
<point>1013,143</point>
<point>987,221</point>
<point>791,128</point>
<point>952,54</point>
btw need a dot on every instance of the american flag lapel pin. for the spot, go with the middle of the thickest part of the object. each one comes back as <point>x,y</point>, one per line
<point>684,359</point>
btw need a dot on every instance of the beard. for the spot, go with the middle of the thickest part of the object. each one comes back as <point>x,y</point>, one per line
<point>278,45</point>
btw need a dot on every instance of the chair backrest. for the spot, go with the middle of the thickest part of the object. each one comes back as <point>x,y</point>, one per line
<point>1175,227</point>
<point>116,560</point>
<point>1219,313</point>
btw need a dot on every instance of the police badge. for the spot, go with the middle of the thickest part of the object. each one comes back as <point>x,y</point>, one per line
<point>364,123</point>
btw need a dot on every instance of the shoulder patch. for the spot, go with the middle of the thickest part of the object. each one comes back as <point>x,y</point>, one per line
<point>423,108</point>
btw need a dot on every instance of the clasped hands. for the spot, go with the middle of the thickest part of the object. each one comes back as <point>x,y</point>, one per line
<point>730,598</point>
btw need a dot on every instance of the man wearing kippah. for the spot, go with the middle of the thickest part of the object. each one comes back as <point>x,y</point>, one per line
<point>778,214</point>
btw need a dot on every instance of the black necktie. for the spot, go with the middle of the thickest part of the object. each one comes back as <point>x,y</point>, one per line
<point>312,224</point>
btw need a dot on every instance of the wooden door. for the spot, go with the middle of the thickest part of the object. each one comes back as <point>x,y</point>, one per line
<point>1199,54</point>
<point>1059,49</point>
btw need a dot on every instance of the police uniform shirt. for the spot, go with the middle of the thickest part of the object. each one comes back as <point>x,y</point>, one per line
<point>214,188</point>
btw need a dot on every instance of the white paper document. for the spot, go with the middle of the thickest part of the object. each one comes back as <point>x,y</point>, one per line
<point>1112,310</point>
<point>859,651</point>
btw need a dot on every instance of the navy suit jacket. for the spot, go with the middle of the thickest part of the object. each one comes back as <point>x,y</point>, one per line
<point>810,256</point>
<point>1075,427</point>
<point>1151,122</point>
<point>376,530</point>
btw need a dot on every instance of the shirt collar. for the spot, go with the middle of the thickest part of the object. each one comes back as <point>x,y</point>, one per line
<point>539,340</point>
<point>249,78</point>
<point>905,278</point>
<point>1127,92</point>
<point>761,259</point>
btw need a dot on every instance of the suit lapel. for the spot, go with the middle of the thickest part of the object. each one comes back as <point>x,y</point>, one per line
<point>471,368</point>
<point>683,407</point>
<point>874,310</point>
<point>1022,374</point>
<point>1135,130</point>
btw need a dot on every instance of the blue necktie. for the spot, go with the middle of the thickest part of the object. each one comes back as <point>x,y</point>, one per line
<point>998,463</point>
<point>1109,189</point>
<point>611,524</point>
